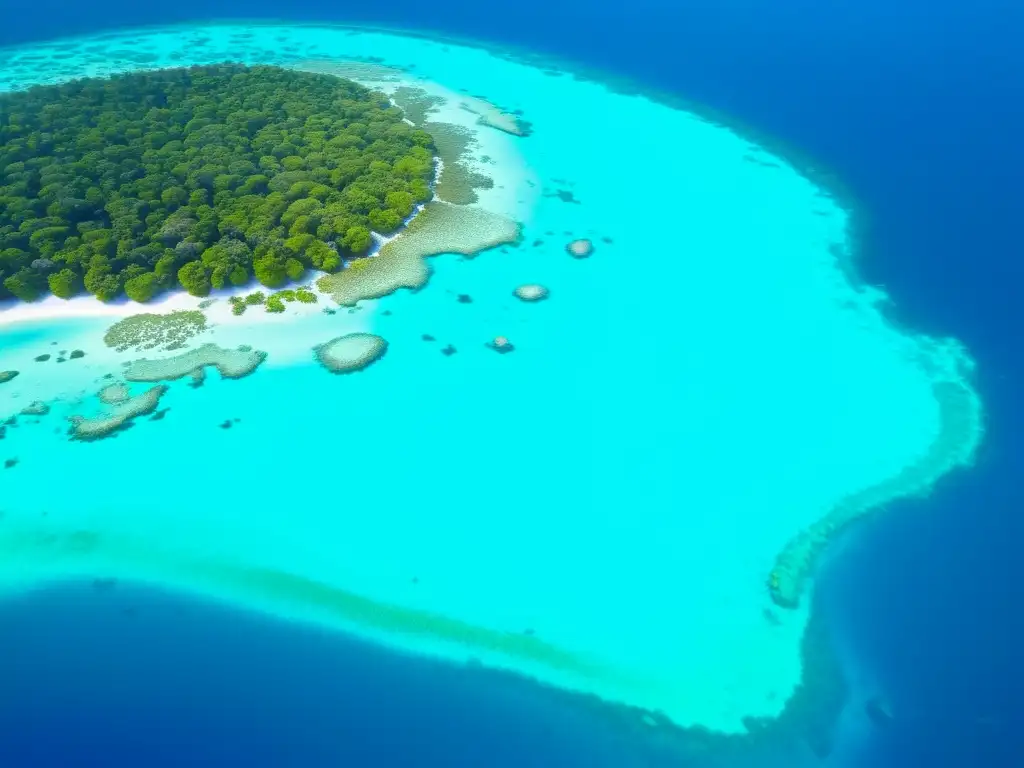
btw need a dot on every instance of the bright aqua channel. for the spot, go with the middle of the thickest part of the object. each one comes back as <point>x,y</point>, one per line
<point>601,509</point>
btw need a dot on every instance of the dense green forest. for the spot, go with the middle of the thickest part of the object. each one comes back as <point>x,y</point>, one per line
<point>200,177</point>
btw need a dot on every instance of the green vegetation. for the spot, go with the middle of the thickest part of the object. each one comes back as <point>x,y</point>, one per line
<point>458,182</point>
<point>274,302</point>
<point>150,331</point>
<point>201,177</point>
<point>417,104</point>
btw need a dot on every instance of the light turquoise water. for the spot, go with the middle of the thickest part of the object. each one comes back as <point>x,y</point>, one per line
<point>600,508</point>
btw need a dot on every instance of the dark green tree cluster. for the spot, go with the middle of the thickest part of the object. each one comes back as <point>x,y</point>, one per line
<point>200,177</point>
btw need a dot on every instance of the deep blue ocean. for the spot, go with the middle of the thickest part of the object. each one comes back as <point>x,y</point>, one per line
<point>918,108</point>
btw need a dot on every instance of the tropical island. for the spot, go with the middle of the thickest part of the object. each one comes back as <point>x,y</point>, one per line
<point>199,178</point>
<point>495,517</point>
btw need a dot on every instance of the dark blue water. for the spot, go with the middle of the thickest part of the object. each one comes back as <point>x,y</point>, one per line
<point>917,107</point>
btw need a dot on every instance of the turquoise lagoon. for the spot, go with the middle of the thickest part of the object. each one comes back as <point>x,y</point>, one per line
<point>601,509</point>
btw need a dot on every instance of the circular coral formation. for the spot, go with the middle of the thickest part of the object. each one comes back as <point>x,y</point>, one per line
<point>580,249</point>
<point>114,394</point>
<point>351,352</point>
<point>501,345</point>
<point>532,292</point>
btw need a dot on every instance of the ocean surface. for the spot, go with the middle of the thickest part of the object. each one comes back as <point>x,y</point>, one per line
<point>913,109</point>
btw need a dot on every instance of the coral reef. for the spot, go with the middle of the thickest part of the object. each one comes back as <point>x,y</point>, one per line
<point>113,394</point>
<point>416,103</point>
<point>565,195</point>
<point>580,249</point>
<point>490,115</point>
<point>118,417</point>
<point>351,352</point>
<point>353,69</point>
<point>151,331</point>
<point>532,292</point>
<point>457,182</point>
<point>230,363</point>
<point>6,376</point>
<point>958,436</point>
<point>36,408</point>
<point>501,345</point>
<point>439,228</point>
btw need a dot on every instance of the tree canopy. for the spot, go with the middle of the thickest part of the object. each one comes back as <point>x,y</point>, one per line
<point>198,177</point>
